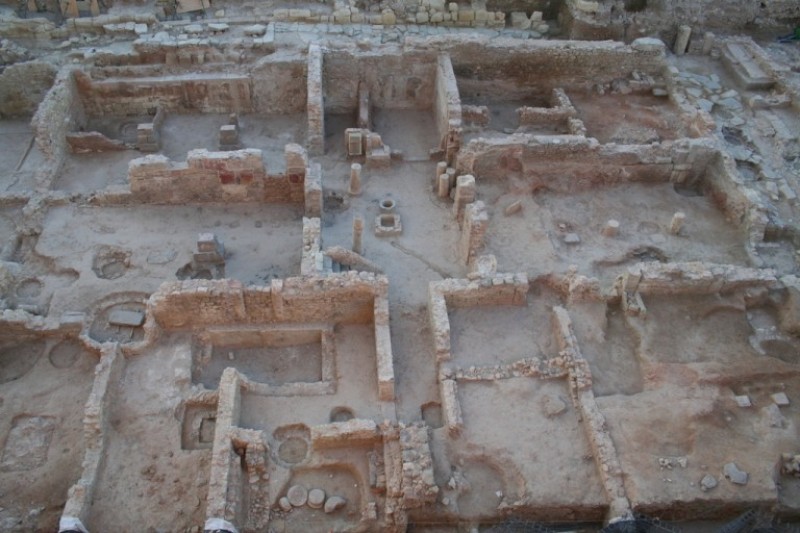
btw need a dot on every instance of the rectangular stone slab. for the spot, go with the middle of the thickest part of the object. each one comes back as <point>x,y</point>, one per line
<point>121,317</point>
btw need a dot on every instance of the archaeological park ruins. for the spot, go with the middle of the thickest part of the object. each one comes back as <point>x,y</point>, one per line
<point>396,266</point>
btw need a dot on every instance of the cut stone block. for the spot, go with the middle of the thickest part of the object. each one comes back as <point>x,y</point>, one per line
<point>122,317</point>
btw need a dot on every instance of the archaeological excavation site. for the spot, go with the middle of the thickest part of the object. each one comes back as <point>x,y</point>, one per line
<point>425,266</point>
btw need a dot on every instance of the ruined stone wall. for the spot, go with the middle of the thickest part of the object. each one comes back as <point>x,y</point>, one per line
<point>216,93</point>
<point>279,87</point>
<point>629,19</point>
<point>60,112</point>
<point>394,79</point>
<point>446,104</point>
<point>549,8</point>
<point>315,107</point>
<point>570,165</point>
<point>345,298</point>
<point>694,278</point>
<point>23,86</point>
<point>237,176</point>
<point>740,204</point>
<point>490,70</point>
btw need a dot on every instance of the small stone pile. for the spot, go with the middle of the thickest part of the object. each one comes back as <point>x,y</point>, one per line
<point>790,464</point>
<point>299,496</point>
<point>706,92</point>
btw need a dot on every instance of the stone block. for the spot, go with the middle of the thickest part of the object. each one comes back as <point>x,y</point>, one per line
<point>520,21</point>
<point>351,433</point>
<point>125,318</point>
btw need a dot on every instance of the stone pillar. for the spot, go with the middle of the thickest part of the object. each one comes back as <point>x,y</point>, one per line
<point>451,173</point>
<point>677,222</point>
<point>465,194</point>
<point>682,40</point>
<point>708,42</point>
<point>358,230</point>
<point>229,137</point>
<point>444,186</point>
<point>355,180</point>
<point>441,168</point>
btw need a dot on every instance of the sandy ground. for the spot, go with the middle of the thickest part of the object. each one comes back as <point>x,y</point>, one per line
<point>148,479</point>
<point>20,157</point>
<point>42,423</point>
<point>262,242</point>
<point>532,241</point>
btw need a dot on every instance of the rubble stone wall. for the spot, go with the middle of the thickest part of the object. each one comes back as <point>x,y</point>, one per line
<point>215,93</point>
<point>494,70</point>
<point>396,80</point>
<point>23,86</point>
<point>345,298</point>
<point>206,176</point>
<point>60,112</point>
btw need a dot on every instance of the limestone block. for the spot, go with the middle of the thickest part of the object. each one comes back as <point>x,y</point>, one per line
<point>648,44</point>
<point>482,15</point>
<point>587,6</point>
<point>466,15</point>
<point>388,17</point>
<point>520,21</point>
<point>351,433</point>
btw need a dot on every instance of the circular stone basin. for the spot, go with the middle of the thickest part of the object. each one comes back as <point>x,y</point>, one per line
<point>16,360</point>
<point>102,330</point>
<point>387,205</point>
<point>111,263</point>
<point>65,354</point>
<point>293,450</point>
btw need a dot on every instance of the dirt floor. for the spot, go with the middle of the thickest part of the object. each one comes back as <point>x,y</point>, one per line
<point>148,477</point>
<point>262,243</point>
<point>627,119</point>
<point>533,240</point>
<point>42,421</point>
<point>20,157</point>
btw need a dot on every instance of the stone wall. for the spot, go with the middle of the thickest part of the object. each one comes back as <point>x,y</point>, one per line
<point>235,176</point>
<point>493,70</point>
<point>279,86</point>
<point>343,298</point>
<point>214,93</point>
<point>60,112</point>
<point>564,163</point>
<point>629,19</point>
<point>95,425</point>
<point>396,79</point>
<point>694,278</point>
<point>315,107</point>
<point>447,105</point>
<point>23,86</point>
